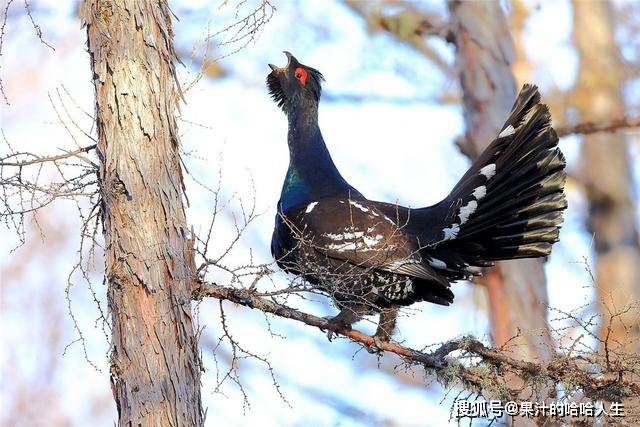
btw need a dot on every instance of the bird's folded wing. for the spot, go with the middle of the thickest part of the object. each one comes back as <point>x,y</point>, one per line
<point>356,232</point>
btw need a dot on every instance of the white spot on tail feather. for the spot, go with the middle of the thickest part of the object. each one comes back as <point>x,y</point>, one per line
<point>479,192</point>
<point>488,171</point>
<point>310,207</point>
<point>451,232</point>
<point>509,130</point>
<point>467,210</point>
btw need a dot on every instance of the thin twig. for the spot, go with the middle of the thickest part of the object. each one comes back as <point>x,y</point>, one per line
<point>36,27</point>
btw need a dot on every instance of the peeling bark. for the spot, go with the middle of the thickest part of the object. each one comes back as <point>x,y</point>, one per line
<point>517,289</point>
<point>155,365</point>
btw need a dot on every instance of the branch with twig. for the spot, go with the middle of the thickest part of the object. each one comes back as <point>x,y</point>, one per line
<point>583,128</point>
<point>579,372</point>
<point>35,158</point>
<point>594,127</point>
<point>30,181</point>
<point>470,362</point>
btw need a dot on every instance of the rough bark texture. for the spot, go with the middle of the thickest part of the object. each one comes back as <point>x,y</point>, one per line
<point>607,173</point>
<point>517,289</point>
<point>155,366</point>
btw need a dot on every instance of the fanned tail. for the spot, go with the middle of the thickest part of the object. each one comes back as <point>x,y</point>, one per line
<point>510,202</point>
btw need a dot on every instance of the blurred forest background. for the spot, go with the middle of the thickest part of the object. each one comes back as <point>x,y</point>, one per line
<point>392,116</point>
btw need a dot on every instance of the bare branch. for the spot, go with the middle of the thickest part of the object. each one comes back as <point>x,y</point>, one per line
<point>42,159</point>
<point>594,127</point>
<point>36,27</point>
<point>478,367</point>
<point>246,28</point>
<point>30,181</point>
<point>583,128</point>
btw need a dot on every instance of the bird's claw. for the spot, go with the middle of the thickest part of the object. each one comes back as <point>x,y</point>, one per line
<point>377,346</point>
<point>333,324</point>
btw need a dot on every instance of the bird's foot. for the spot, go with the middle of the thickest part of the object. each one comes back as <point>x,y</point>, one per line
<point>377,346</point>
<point>333,324</point>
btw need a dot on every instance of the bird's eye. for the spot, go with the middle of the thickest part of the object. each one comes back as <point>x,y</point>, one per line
<point>301,75</point>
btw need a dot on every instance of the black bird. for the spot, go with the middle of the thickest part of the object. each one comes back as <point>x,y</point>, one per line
<point>374,257</point>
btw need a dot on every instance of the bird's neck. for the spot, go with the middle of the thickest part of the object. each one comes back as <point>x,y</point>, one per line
<point>304,131</point>
<point>312,173</point>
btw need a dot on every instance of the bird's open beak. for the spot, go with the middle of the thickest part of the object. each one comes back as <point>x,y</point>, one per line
<point>281,69</point>
<point>289,57</point>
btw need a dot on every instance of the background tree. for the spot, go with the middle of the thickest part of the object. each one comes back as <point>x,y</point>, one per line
<point>606,174</point>
<point>606,177</point>
<point>517,289</point>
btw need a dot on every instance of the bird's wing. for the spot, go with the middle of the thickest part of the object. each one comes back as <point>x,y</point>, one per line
<point>358,233</point>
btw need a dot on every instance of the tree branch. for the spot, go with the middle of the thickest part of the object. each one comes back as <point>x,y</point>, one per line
<point>478,367</point>
<point>584,128</point>
<point>43,159</point>
<point>594,127</point>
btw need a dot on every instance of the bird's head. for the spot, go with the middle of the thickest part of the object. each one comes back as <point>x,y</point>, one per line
<point>293,83</point>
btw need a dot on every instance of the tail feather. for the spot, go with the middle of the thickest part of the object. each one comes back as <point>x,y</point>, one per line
<point>510,202</point>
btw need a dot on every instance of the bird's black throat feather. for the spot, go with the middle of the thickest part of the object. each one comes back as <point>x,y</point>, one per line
<point>275,90</point>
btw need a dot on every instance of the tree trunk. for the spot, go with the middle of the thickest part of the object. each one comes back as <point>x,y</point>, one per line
<point>155,366</point>
<point>608,183</point>
<point>517,289</point>
<point>607,174</point>
<point>521,66</point>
